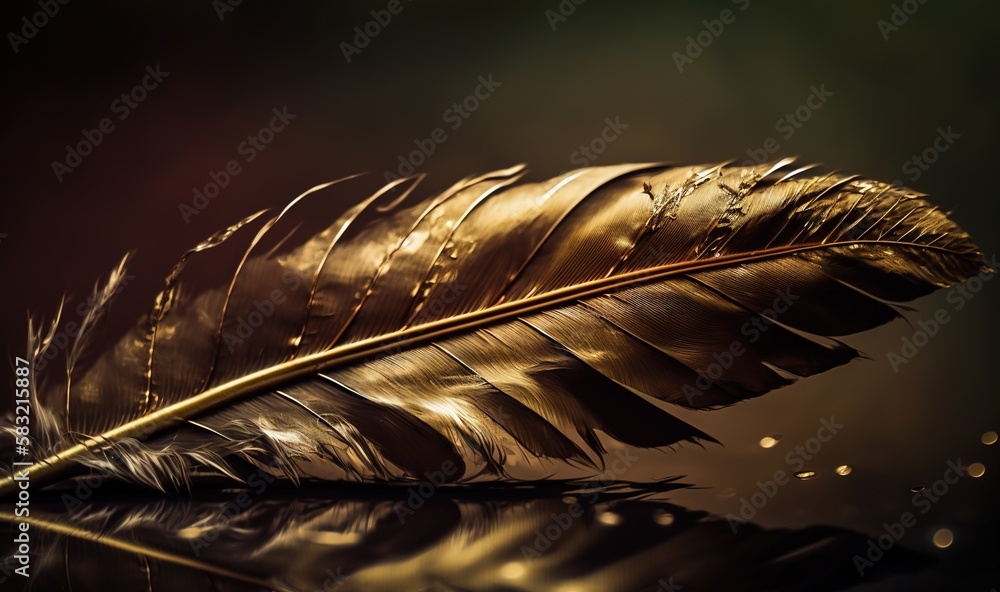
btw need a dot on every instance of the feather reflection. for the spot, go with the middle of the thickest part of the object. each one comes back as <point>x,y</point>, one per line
<point>498,537</point>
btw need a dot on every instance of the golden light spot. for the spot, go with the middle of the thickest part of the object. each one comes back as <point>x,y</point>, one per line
<point>770,441</point>
<point>805,475</point>
<point>609,518</point>
<point>917,488</point>
<point>512,570</point>
<point>989,438</point>
<point>844,470</point>
<point>663,518</point>
<point>189,533</point>
<point>943,538</point>
<point>326,537</point>
<point>977,470</point>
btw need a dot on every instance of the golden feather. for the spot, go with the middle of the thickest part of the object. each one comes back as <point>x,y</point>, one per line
<point>496,320</point>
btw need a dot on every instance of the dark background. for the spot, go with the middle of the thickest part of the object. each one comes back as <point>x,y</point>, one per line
<point>557,87</point>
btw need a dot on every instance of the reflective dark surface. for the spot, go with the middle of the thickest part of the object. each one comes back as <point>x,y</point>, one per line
<point>539,537</point>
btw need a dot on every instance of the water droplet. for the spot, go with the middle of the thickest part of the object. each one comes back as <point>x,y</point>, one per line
<point>989,438</point>
<point>609,518</point>
<point>844,470</point>
<point>917,488</point>
<point>512,570</point>
<point>770,441</point>
<point>977,470</point>
<point>805,475</point>
<point>663,518</point>
<point>569,499</point>
<point>943,538</point>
